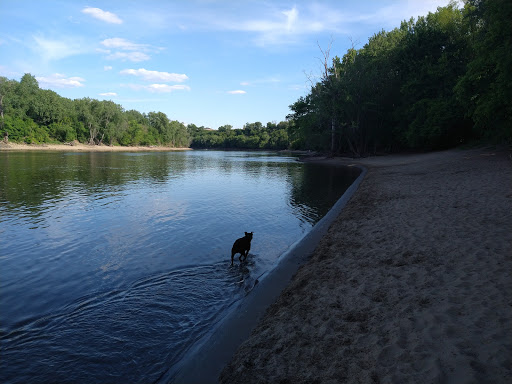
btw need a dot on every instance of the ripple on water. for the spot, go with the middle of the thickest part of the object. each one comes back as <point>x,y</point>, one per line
<point>163,313</point>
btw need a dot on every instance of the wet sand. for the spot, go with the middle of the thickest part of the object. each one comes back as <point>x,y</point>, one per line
<point>412,282</point>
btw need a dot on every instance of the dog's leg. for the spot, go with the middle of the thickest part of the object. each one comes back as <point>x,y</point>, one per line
<point>232,257</point>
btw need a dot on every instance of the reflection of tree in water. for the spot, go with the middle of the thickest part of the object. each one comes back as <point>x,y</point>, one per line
<point>316,188</point>
<point>32,179</point>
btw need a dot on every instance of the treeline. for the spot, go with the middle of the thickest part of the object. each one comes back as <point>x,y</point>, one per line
<point>251,136</point>
<point>34,115</point>
<point>432,83</point>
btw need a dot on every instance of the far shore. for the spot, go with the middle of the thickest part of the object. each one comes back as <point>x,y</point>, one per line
<point>79,147</point>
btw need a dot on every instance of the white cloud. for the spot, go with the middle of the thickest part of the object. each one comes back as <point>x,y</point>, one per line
<point>167,88</point>
<point>136,52</point>
<point>155,75</point>
<point>237,92</point>
<point>291,18</point>
<point>274,25</point>
<point>120,43</point>
<point>107,67</point>
<point>108,94</point>
<point>159,88</point>
<point>58,80</point>
<point>102,15</point>
<point>279,27</point>
<point>50,49</point>
<point>131,56</point>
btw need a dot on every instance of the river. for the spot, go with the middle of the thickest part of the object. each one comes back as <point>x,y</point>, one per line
<point>112,265</point>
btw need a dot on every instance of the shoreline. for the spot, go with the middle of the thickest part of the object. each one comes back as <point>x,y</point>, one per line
<point>410,284</point>
<point>79,147</point>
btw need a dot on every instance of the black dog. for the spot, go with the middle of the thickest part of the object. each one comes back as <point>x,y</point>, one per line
<point>242,246</point>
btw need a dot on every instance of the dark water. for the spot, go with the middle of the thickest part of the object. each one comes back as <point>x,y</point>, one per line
<point>113,264</point>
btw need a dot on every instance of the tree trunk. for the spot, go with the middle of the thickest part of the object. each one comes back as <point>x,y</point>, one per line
<point>91,135</point>
<point>332,135</point>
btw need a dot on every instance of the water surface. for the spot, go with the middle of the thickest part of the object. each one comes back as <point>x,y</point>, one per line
<point>113,264</point>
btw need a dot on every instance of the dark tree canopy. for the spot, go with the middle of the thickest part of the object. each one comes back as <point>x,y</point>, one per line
<point>428,84</point>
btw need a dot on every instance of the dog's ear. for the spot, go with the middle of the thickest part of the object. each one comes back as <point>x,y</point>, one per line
<point>246,233</point>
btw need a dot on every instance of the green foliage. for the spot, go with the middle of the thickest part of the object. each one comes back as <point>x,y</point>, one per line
<point>34,115</point>
<point>251,136</point>
<point>25,130</point>
<point>432,83</point>
<point>62,132</point>
<point>485,89</point>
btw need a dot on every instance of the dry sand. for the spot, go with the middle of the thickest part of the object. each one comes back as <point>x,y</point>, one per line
<point>76,146</point>
<point>412,283</point>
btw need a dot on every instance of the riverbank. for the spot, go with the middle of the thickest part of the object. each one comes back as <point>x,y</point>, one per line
<point>79,147</point>
<point>411,283</point>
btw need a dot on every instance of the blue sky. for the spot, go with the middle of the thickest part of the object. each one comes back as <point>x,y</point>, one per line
<point>205,62</point>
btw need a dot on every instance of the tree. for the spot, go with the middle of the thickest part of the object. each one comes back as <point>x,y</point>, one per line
<point>485,89</point>
<point>110,121</point>
<point>86,110</point>
<point>398,90</point>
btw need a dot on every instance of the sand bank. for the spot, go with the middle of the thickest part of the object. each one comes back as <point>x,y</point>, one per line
<point>412,283</point>
<point>79,147</point>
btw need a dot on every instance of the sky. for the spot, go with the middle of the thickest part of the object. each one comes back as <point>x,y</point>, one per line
<point>204,62</point>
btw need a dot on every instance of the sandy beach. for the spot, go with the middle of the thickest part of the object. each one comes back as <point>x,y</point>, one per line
<point>79,147</point>
<point>411,284</point>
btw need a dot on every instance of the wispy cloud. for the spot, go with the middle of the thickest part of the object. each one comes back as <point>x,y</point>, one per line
<point>131,56</point>
<point>404,10</point>
<point>58,80</point>
<point>237,92</point>
<point>107,68</point>
<point>108,94</point>
<point>120,43</point>
<point>282,26</point>
<point>102,15</point>
<point>126,50</point>
<point>155,75</point>
<point>53,49</point>
<point>275,25</point>
<point>158,88</point>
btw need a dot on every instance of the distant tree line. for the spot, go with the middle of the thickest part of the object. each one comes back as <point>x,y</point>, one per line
<point>251,136</point>
<point>34,115</point>
<point>432,83</point>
